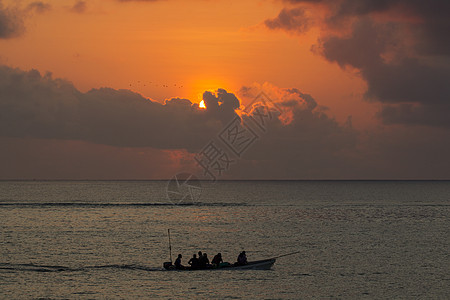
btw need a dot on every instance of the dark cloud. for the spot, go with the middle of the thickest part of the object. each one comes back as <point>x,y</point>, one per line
<point>221,104</point>
<point>39,107</point>
<point>314,146</point>
<point>39,7</point>
<point>400,152</point>
<point>49,129</point>
<point>401,49</point>
<point>415,114</point>
<point>28,158</point>
<point>12,18</point>
<point>405,79</point>
<point>11,22</point>
<point>79,7</point>
<point>36,106</point>
<point>138,0</point>
<point>301,142</point>
<point>290,20</point>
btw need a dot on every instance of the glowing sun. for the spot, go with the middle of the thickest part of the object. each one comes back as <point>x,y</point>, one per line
<point>202,104</point>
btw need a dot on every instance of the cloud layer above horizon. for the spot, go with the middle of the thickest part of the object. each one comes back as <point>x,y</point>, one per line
<point>50,129</point>
<point>400,48</point>
<point>302,141</point>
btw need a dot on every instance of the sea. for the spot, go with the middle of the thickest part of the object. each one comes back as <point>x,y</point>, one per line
<point>109,239</point>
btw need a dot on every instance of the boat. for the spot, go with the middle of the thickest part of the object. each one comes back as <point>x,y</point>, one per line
<point>264,264</point>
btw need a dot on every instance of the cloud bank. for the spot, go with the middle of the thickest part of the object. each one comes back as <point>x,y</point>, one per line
<point>49,129</point>
<point>12,19</point>
<point>401,49</point>
<point>11,24</point>
<point>39,106</point>
<point>36,107</point>
<point>79,7</point>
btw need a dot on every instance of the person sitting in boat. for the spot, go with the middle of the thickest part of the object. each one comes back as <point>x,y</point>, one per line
<point>178,264</point>
<point>200,262</point>
<point>242,258</point>
<point>217,259</point>
<point>194,262</point>
<point>204,261</point>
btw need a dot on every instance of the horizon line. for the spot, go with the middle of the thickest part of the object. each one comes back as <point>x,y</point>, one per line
<point>225,180</point>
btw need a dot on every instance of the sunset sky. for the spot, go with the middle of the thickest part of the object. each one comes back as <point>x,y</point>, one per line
<point>109,89</point>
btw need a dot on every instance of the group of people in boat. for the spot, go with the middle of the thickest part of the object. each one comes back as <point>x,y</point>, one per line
<point>202,261</point>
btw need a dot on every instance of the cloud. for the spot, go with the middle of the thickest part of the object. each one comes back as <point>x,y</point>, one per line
<point>79,7</point>
<point>290,20</point>
<point>46,124</point>
<point>285,101</point>
<point>39,106</point>
<point>11,22</point>
<point>138,0</point>
<point>38,7</point>
<point>405,80</point>
<point>314,146</point>
<point>221,104</point>
<point>35,108</point>
<point>28,158</point>
<point>12,18</point>
<point>302,142</point>
<point>400,48</point>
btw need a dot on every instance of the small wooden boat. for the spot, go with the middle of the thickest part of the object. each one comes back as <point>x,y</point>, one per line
<point>265,264</point>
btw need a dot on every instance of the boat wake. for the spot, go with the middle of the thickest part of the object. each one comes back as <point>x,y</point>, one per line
<point>96,204</point>
<point>7,267</point>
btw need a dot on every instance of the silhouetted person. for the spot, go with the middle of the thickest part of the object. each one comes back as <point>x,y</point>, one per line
<point>203,261</point>
<point>178,264</point>
<point>194,262</point>
<point>217,259</point>
<point>200,258</point>
<point>242,258</point>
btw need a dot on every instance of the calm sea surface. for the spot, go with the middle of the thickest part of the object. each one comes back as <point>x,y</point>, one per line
<point>105,239</point>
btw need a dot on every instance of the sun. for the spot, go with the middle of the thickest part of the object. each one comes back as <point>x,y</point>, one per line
<point>202,104</point>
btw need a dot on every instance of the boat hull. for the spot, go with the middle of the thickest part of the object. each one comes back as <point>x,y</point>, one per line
<point>265,264</point>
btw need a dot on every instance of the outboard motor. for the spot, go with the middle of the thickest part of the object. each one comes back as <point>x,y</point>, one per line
<point>168,265</point>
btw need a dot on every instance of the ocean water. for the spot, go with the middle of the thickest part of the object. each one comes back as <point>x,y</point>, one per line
<point>105,239</point>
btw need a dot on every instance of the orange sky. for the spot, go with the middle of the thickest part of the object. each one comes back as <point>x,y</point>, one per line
<point>394,52</point>
<point>166,49</point>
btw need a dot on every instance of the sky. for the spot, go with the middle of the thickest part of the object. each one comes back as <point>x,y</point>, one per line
<point>250,89</point>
